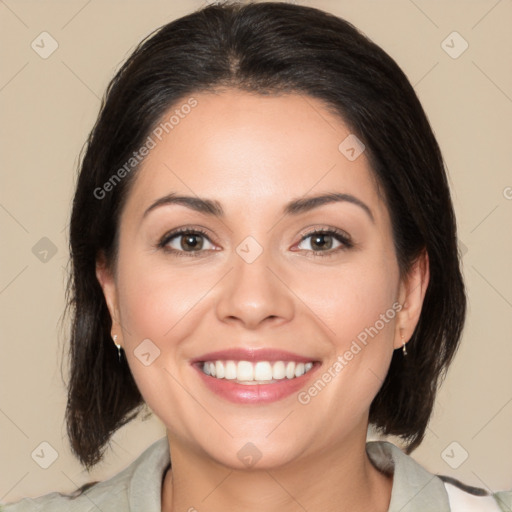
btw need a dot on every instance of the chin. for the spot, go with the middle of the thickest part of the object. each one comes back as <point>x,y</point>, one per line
<point>254,452</point>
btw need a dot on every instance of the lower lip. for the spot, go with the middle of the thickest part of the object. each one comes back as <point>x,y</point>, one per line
<point>255,393</point>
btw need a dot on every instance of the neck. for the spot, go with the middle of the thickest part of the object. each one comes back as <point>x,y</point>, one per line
<point>339,478</point>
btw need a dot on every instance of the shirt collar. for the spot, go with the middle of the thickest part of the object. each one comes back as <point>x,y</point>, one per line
<point>414,488</point>
<point>145,489</point>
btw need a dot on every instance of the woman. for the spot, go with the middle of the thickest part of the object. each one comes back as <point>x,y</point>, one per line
<point>264,252</point>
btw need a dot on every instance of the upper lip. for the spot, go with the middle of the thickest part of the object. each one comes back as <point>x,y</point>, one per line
<point>252,354</point>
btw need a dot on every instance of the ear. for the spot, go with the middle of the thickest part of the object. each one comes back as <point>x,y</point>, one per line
<point>108,285</point>
<point>411,295</point>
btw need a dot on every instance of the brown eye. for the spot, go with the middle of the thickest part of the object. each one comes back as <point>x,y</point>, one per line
<point>321,241</point>
<point>191,241</point>
<point>181,242</point>
<point>327,241</point>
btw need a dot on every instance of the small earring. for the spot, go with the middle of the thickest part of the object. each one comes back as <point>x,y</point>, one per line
<point>118,346</point>
<point>404,350</point>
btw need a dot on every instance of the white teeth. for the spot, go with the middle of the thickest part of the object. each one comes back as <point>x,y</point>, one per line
<point>278,370</point>
<point>230,370</point>
<point>219,369</point>
<point>262,371</point>
<point>246,372</point>
<point>290,370</point>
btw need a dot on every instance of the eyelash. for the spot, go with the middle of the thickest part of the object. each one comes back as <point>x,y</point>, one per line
<point>340,236</point>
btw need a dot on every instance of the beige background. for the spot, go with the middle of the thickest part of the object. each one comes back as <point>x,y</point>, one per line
<point>48,107</point>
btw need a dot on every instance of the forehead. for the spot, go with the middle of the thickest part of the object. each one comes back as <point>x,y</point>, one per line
<point>250,149</point>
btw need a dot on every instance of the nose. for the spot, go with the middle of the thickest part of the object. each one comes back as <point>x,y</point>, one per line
<point>254,293</point>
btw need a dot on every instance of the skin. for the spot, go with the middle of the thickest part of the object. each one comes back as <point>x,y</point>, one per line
<point>253,154</point>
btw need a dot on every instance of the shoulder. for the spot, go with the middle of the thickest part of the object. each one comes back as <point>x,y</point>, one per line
<point>137,487</point>
<point>417,490</point>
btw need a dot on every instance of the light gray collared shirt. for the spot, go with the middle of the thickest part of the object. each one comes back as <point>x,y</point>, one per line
<point>138,487</point>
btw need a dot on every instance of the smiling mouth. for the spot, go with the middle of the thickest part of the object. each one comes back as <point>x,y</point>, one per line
<point>257,372</point>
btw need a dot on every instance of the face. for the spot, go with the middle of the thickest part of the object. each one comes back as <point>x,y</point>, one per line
<point>304,299</point>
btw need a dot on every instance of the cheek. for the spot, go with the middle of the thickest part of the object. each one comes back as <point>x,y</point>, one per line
<point>154,300</point>
<point>157,312</point>
<point>161,308</point>
<point>351,298</point>
<point>357,308</point>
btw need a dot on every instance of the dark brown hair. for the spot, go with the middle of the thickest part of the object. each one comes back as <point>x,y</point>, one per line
<point>266,48</point>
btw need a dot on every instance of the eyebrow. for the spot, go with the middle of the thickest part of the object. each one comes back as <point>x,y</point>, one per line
<point>294,207</point>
